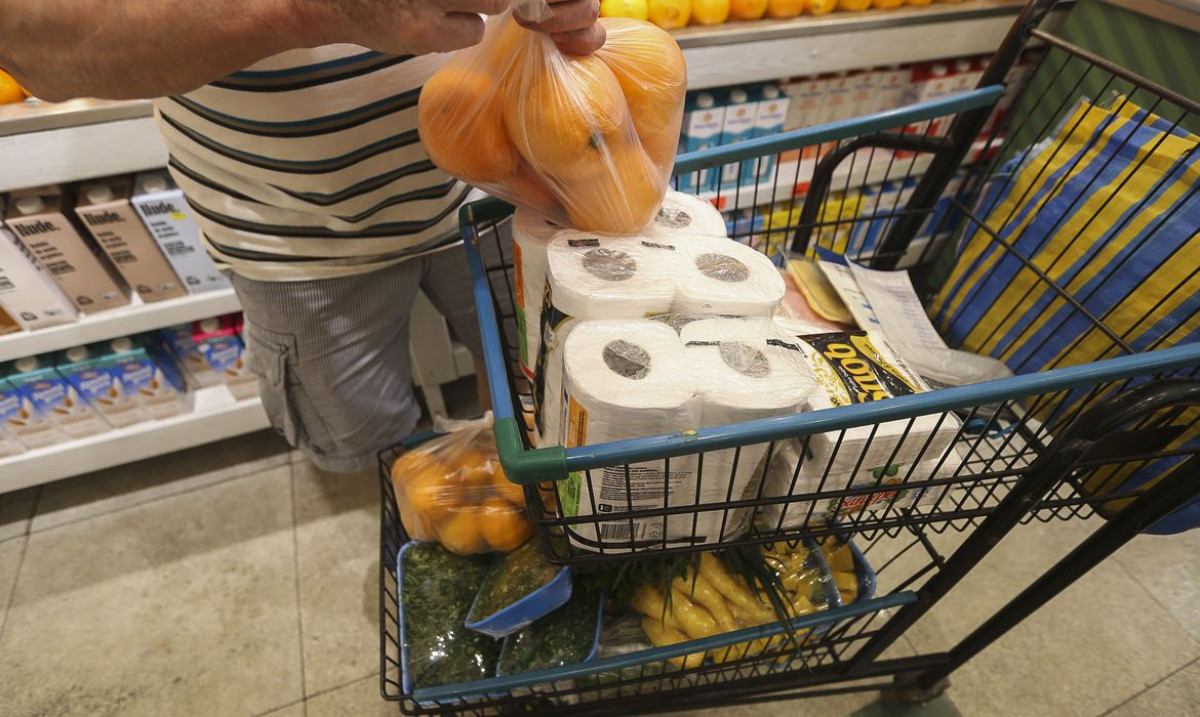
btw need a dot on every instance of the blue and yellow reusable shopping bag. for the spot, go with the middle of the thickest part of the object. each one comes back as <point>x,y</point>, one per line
<point>1107,209</point>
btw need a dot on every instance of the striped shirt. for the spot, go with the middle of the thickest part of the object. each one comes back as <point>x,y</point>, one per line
<point>307,165</point>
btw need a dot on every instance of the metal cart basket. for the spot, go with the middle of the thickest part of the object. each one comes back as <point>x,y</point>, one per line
<point>1101,416</point>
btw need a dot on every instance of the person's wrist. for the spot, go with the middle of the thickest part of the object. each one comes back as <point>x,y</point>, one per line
<point>308,23</point>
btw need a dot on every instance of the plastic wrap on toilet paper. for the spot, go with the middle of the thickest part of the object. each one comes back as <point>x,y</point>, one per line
<point>860,367</point>
<point>719,276</point>
<point>744,371</point>
<point>531,238</point>
<point>593,277</point>
<point>682,214</point>
<point>788,475</point>
<point>623,380</point>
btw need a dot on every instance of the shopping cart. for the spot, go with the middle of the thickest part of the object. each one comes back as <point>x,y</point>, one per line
<point>1100,418</point>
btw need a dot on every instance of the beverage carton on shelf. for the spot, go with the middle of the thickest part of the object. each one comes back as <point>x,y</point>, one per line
<point>218,343</point>
<point>167,216</point>
<point>27,292</point>
<point>104,210</point>
<point>47,396</point>
<point>36,217</point>
<point>702,125</point>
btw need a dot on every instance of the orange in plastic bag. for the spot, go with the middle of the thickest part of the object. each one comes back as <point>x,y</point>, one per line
<point>587,142</point>
<point>452,490</point>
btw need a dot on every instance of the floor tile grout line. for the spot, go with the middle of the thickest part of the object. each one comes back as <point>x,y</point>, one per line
<point>1151,686</point>
<point>1154,597</point>
<point>296,572</point>
<point>148,501</point>
<point>12,591</point>
<point>335,688</point>
<point>280,708</point>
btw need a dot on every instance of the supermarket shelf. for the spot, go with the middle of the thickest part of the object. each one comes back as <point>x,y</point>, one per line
<point>43,143</point>
<point>771,49</point>
<point>216,416</point>
<point>119,322</point>
<point>46,143</point>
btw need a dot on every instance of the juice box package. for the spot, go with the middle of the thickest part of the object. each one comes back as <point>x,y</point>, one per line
<point>740,114</point>
<point>167,216</point>
<point>86,369</point>
<point>104,211</point>
<point>38,221</point>
<point>702,125</point>
<point>182,345</point>
<point>223,351</point>
<point>10,410</point>
<point>47,396</point>
<point>27,292</point>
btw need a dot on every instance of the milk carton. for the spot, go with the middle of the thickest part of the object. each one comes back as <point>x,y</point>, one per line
<point>864,87</point>
<point>182,346</point>
<point>87,369</point>
<point>104,211</point>
<point>166,214</point>
<point>48,397</point>
<point>37,220</point>
<point>151,379</point>
<point>224,352</point>
<point>740,115</point>
<point>702,127</point>
<point>769,119</point>
<point>10,410</point>
<point>27,292</point>
<point>806,99</point>
<point>891,88</point>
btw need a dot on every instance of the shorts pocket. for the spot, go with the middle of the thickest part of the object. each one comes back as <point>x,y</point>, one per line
<point>275,360</point>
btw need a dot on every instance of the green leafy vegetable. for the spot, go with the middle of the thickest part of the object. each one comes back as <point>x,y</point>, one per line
<point>516,575</point>
<point>564,637</point>
<point>437,591</point>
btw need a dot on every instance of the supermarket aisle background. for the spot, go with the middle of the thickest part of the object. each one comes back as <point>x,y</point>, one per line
<point>238,580</point>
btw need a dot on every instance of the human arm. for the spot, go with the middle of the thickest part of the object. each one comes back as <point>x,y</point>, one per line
<point>122,49</point>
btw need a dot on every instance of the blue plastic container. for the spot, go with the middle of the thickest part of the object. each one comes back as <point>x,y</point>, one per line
<point>524,612</point>
<point>591,657</point>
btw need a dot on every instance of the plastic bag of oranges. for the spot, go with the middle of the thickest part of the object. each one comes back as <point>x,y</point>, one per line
<point>587,142</point>
<point>452,490</point>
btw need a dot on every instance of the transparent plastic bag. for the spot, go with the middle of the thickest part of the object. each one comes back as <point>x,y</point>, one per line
<point>587,142</point>
<point>452,490</point>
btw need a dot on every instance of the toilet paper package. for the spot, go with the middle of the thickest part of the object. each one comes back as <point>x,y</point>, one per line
<point>531,239</point>
<point>593,277</point>
<point>719,276</point>
<point>682,214</point>
<point>860,367</point>
<point>788,475</point>
<point>744,371</point>
<point>623,380</point>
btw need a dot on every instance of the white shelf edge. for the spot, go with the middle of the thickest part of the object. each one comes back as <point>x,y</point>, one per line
<point>223,418</point>
<point>124,321</point>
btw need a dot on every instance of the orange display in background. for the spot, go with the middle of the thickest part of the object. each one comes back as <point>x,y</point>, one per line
<point>587,142</point>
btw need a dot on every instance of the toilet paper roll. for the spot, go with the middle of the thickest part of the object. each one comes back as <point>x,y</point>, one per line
<point>683,214</point>
<point>861,367</point>
<point>594,277</point>
<point>744,371</point>
<point>787,475</point>
<point>531,239</point>
<point>720,276</point>
<point>622,380</point>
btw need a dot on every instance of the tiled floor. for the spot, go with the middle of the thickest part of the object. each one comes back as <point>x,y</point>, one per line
<point>238,580</point>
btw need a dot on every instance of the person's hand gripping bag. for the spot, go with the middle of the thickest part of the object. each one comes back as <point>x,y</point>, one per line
<point>586,142</point>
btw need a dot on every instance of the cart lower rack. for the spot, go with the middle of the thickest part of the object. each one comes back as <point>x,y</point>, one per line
<point>1064,240</point>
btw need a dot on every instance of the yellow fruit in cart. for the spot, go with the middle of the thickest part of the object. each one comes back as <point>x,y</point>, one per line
<point>429,494</point>
<point>460,534</point>
<point>636,9</point>
<point>10,91</point>
<point>503,527</point>
<point>562,124</point>
<point>886,4</point>
<point>506,489</point>
<point>820,7</point>
<point>471,145</point>
<point>598,204</point>
<point>854,5</point>
<point>650,68</point>
<point>710,12</point>
<point>532,191</point>
<point>669,14</point>
<point>747,9</point>
<point>784,8</point>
